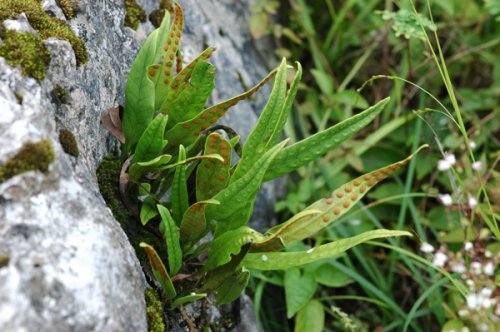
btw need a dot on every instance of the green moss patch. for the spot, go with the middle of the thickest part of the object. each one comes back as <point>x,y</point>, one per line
<point>4,261</point>
<point>154,313</point>
<point>156,15</point>
<point>46,25</point>
<point>134,14</point>
<point>69,7</point>
<point>25,50</point>
<point>61,94</point>
<point>31,156</point>
<point>68,142</point>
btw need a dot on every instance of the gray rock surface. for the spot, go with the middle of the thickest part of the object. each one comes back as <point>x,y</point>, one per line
<point>71,267</point>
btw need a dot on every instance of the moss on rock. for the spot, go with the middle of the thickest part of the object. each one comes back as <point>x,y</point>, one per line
<point>154,313</point>
<point>68,142</point>
<point>133,14</point>
<point>31,156</point>
<point>46,25</point>
<point>61,94</point>
<point>25,50</point>
<point>157,15</point>
<point>69,7</point>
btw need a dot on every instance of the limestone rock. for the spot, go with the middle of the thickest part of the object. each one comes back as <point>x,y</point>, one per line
<point>70,266</point>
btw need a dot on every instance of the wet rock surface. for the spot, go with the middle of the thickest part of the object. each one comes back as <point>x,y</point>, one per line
<point>70,266</point>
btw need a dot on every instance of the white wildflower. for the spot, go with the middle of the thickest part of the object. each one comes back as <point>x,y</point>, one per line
<point>486,292</point>
<point>468,246</point>
<point>310,250</point>
<point>489,268</point>
<point>472,202</point>
<point>458,267</point>
<point>483,327</point>
<point>426,247</point>
<point>440,259</point>
<point>477,165</point>
<point>472,300</point>
<point>264,258</point>
<point>446,163</point>
<point>472,145</point>
<point>445,199</point>
<point>486,303</point>
<point>465,329</point>
<point>476,267</point>
<point>463,312</point>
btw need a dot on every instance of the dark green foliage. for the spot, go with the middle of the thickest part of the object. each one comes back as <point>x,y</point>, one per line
<point>133,14</point>
<point>46,25</point>
<point>25,50</point>
<point>69,7</point>
<point>31,156</point>
<point>68,142</point>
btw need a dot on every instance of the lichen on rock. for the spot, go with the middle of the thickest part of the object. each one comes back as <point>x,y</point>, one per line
<point>44,24</point>
<point>31,156</point>
<point>68,142</point>
<point>25,50</point>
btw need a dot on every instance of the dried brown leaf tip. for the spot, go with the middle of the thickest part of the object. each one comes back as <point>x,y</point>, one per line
<point>113,122</point>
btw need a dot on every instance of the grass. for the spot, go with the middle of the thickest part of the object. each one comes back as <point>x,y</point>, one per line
<point>445,88</point>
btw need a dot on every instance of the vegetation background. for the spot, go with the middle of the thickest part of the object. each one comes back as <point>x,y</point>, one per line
<point>441,68</point>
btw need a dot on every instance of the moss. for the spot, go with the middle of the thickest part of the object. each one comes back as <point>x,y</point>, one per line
<point>19,97</point>
<point>154,313</point>
<point>31,156</point>
<point>156,15</point>
<point>108,176</point>
<point>68,142</point>
<point>60,94</point>
<point>4,260</point>
<point>25,50</point>
<point>69,7</point>
<point>134,14</point>
<point>46,25</point>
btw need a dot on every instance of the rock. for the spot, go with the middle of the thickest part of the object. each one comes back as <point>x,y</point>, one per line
<point>70,266</point>
<point>20,25</point>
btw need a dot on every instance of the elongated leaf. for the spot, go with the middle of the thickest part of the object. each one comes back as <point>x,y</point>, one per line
<point>161,74</point>
<point>153,165</point>
<point>192,98</point>
<point>313,147</point>
<point>151,142</point>
<point>194,225</point>
<point>180,201</point>
<point>255,145</point>
<point>172,238</point>
<point>213,176</point>
<point>325,211</point>
<point>187,132</point>
<point>228,244</point>
<point>187,299</point>
<point>159,270</point>
<point>238,198</point>
<point>139,90</point>
<point>299,289</point>
<point>285,260</point>
<point>310,318</point>
<point>232,287</point>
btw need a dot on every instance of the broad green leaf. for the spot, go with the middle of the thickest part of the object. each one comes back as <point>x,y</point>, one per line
<point>171,234</point>
<point>285,260</point>
<point>194,225</point>
<point>229,244</point>
<point>299,289</point>
<point>232,287</point>
<point>179,198</point>
<point>255,145</point>
<point>148,210</point>
<point>310,318</point>
<point>237,199</point>
<point>194,95</point>
<point>315,146</point>
<point>187,132</point>
<point>160,75</point>
<point>328,275</point>
<point>212,176</point>
<point>151,142</point>
<point>187,299</point>
<point>159,270</point>
<point>139,90</point>
<point>324,81</point>
<point>325,211</point>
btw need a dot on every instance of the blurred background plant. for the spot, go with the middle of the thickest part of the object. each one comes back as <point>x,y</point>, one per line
<point>443,93</point>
